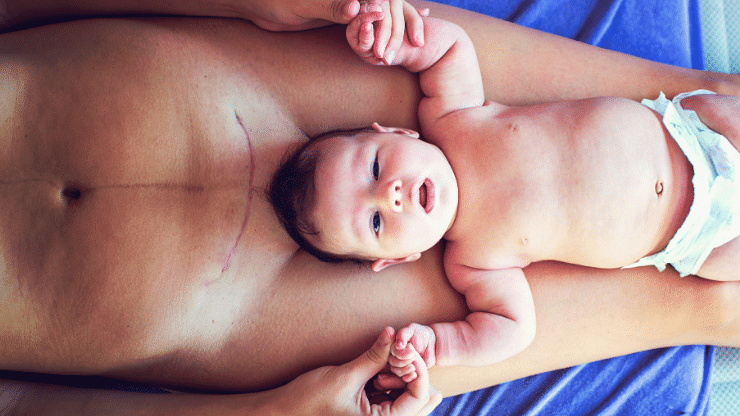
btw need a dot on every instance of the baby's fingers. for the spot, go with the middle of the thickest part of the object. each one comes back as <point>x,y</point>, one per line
<point>406,373</point>
<point>360,32</point>
<point>399,361</point>
<point>420,397</point>
<point>366,36</point>
<point>403,337</point>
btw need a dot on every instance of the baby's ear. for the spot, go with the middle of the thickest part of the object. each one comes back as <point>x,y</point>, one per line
<point>381,264</point>
<point>398,130</point>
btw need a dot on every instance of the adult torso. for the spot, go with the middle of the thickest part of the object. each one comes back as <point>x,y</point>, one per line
<point>135,234</point>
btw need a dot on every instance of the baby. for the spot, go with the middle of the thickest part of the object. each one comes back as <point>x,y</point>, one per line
<point>602,182</point>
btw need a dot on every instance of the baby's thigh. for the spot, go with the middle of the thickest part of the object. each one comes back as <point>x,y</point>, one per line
<point>720,113</point>
<point>723,263</point>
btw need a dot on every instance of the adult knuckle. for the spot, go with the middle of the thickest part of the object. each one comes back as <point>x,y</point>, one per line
<point>336,9</point>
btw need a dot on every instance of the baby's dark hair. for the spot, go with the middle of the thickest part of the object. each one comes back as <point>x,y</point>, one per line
<point>292,194</point>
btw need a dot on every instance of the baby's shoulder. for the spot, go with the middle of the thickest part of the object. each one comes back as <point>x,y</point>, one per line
<point>473,254</point>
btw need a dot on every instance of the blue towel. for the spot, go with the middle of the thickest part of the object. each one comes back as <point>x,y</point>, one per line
<point>659,30</point>
<point>663,382</point>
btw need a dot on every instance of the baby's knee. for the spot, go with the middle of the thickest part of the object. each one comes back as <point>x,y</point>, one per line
<point>723,325</point>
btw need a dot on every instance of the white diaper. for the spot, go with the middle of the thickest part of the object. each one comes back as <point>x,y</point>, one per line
<point>714,216</point>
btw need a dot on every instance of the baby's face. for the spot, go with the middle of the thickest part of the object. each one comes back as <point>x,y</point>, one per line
<point>382,195</point>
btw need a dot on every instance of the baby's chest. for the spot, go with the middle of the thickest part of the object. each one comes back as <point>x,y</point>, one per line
<point>511,214</point>
<point>492,246</point>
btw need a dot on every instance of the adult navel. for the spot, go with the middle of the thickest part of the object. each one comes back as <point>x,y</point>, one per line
<point>71,194</point>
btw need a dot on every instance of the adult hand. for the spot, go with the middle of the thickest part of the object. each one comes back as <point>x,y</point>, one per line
<point>341,390</point>
<point>378,31</point>
<point>281,15</point>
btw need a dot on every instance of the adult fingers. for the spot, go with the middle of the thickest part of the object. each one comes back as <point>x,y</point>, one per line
<point>336,11</point>
<point>388,381</point>
<point>361,36</point>
<point>435,398</point>
<point>366,35</point>
<point>367,6</point>
<point>372,361</point>
<point>343,11</point>
<point>419,397</point>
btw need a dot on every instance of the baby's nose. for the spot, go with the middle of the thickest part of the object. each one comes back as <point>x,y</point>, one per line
<point>395,202</point>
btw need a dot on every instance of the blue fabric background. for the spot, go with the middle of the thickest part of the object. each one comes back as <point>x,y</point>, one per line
<point>667,31</point>
<point>664,382</point>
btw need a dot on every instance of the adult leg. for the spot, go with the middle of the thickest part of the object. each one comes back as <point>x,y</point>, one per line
<point>587,315</point>
<point>523,66</point>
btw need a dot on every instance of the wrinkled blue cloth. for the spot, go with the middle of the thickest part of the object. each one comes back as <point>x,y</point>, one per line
<point>667,31</point>
<point>664,382</point>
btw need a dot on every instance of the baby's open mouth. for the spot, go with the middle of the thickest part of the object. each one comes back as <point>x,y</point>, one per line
<point>426,195</point>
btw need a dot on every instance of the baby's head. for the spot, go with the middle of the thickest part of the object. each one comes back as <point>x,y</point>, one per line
<point>378,194</point>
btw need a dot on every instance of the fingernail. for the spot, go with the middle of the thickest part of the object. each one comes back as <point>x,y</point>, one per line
<point>389,58</point>
<point>381,52</point>
<point>353,9</point>
<point>370,8</point>
<point>385,338</point>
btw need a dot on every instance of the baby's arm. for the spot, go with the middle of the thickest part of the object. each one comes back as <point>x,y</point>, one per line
<point>449,73</point>
<point>501,324</point>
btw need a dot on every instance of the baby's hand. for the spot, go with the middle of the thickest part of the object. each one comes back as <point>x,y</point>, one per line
<point>378,31</point>
<point>411,339</point>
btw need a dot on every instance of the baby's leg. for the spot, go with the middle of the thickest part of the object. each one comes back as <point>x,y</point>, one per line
<point>720,113</point>
<point>723,263</point>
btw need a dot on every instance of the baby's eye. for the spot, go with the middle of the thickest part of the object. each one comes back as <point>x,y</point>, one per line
<point>376,222</point>
<point>376,168</point>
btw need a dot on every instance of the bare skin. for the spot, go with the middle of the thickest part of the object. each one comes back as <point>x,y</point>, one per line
<point>154,164</point>
<point>601,203</point>
<point>596,182</point>
<point>270,15</point>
